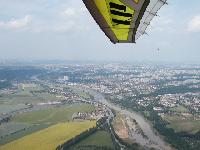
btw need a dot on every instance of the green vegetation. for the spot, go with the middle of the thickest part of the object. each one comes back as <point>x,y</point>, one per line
<point>21,133</point>
<point>182,137</point>
<point>11,127</point>
<point>28,93</point>
<point>50,138</point>
<point>82,93</point>
<point>99,139</point>
<point>182,124</point>
<point>180,109</point>
<point>8,108</point>
<point>40,119</point>
<point>53,115</point>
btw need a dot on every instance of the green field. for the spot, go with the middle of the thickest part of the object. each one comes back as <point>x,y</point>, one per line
<point>180,109</point>
<point>81,93</point>
<point>10,108</point>
<point>27,123</point>
<point>53,115</point>
<point>21,133</point>
<point>183,125</point>
<point>98,139</point>
<point>27,95</point>
<point>37,120</point>
<point>49,138</point>
<point>11,127</point>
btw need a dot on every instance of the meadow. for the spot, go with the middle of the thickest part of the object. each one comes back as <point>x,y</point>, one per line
<point>99,139</point>
<point>81,93</point>
<point>26,123</point>
<point>179,109</point>
<point>53,115</point>
<point>31,94</point>
<point>30,122</point>
<point>180,124</point>
<point>9,108</point>
<point>49,138</point>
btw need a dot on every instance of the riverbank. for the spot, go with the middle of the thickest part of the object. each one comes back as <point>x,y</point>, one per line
<point>153,140</point>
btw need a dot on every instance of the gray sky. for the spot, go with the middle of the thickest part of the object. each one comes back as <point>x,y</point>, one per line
<point>63,29</point>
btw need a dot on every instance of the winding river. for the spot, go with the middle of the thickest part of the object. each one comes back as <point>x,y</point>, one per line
<point>143,123</point>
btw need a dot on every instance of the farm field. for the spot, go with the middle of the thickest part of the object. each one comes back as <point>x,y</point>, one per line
<point>53,115</point>
<point>10,108</point>
<point>29,122</point>
<point>81,93</point>
<point>180,124</point>
<point>28,94</point>
<point>51,137</point>
<point>11,127</point>
<point>98,139</point>
<point>21,133</point>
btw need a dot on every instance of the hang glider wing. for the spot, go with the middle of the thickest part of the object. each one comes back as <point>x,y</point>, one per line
<point>119,19</point>
<point>149,14</point>
<point>123,21</point>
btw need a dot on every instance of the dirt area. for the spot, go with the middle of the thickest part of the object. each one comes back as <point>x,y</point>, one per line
<point>120,126</point>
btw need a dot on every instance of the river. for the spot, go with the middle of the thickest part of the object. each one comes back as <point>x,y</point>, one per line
<point>143,123</point>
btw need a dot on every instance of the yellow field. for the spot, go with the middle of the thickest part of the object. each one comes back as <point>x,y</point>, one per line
<point>49,138</point>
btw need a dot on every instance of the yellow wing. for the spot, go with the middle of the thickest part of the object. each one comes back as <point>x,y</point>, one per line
<point>119,19</point>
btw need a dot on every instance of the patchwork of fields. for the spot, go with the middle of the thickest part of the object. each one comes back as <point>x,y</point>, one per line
<point>45,127</point>
<point>53,115</point>
<point>33,94</point>
<point>182,120</point>
<point>49,138</point>
<point>29,122</point>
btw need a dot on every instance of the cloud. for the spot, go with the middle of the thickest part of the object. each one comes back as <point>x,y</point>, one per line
<point>69,12</point>
<point>69,21</point>
<point>194,24</point>
<point>16,23</point>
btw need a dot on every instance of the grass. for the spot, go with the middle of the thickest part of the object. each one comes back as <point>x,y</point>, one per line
<point>10,108</point>
<point>183,125</point>
<point>25,95</point>
<point>40,119</point>
<point>22,133</point>
<point>53,115</point>
<point>32,87</point>
<point>180,109</point>
<point>11,127</point>
<point>16,98</point>
<point>99,139</point>
<point>50,138</point>
<point>81,93</point>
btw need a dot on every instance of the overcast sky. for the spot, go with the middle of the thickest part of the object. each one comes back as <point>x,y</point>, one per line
<point>63,29</point>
